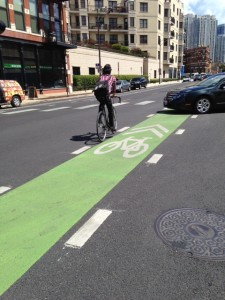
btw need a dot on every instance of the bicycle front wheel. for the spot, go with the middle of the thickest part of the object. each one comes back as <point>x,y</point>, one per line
<point>114,118</point>
<point>101,126</point>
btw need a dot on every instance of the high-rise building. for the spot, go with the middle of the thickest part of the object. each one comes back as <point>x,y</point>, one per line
<point>32,47</point>
<point>200,31</point>
<point>154,26</point>
<point>220,49</point>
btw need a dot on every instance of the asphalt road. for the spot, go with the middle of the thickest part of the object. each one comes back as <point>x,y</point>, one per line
<point>125,258</point>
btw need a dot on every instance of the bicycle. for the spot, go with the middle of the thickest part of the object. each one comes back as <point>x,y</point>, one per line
<point>102,123</point>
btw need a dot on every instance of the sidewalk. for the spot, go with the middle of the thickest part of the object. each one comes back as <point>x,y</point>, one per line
<point>60,96</point>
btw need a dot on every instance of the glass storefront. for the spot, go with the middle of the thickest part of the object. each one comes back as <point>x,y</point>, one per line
<point>33,65</point>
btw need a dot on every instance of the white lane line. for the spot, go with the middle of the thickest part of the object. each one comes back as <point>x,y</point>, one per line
<point>144,102</point>
<point>151,115</point>
<point>88,229</point>
<point>56,108</point>
<point>194,116</point>
<point>180,131</point>
<point>19,111</point>
<point>87,106</point>
<point>123,129</point>
<point>118,104</point>
<point>154,159</point>
<point>81,150</point>
<point>4,189</point>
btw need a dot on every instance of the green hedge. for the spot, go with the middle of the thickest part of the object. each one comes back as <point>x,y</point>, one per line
<point>87,82</point>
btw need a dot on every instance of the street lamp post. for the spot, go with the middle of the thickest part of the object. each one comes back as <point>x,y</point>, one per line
<point>160,62</point>
<point>99,45</point>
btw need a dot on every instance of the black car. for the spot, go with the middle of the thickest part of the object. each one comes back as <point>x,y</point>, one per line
<point>201,97</point>
<point>138,82</point>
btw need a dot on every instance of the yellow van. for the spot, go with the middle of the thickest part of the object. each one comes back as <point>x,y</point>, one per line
<point>11,92</point>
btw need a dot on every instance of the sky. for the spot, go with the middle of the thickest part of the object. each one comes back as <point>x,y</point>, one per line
<point>206,7</point>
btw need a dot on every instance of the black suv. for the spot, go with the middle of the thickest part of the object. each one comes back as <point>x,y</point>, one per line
<point>138,82</point>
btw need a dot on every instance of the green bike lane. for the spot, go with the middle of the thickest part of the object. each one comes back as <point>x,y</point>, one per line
<point>34,216</point>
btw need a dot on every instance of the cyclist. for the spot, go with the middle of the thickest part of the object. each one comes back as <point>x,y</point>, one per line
<point>106,75</point>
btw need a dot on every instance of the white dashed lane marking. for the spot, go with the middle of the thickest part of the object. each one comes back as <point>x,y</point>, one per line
<point>194,116</point>
<point>180,131</point>
<point>88,229</point>
<point>19,111</point>
<point>56,108</point>
<point>79,151</point>
<point>144,102</point>
<point>4,189</point>
<point>154,159</point>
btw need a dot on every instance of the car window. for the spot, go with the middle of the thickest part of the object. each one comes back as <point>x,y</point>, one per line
<point>212,80</point>
<point>118,82</point>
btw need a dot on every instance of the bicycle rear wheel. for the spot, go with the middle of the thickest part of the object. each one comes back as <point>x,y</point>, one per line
<point>101,126</point>
<point>114,118</point>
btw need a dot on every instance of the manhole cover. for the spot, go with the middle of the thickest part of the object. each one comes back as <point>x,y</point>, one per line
<point>196,232</point>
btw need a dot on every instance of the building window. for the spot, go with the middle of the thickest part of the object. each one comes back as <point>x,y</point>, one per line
<point>76,70</point>
<point>33,16</point>
<point>132,38</point>
<point>143,39</point>
<point>159,25</point>
<point>102,38</point>
<point>131,21</point>
<point>91,71</point>
<point>159,55</point>
<point>131,5</point>
<point>58,30</point>
<point>113,39</point>
<point>19,16</point>
<point>98,4</point>
<point>84,36</point>
<point>165,55</point>
<point>113,5</point>
<point>143,23</point>
<point>4,12</point>
<point>166,12</point>
<point>46,16</point>
<point>82,4</point>
<point>143,7</point>
<point>83,21</point>
<point>112,23</point>
<point>159,9</point>
<point>166,27</point>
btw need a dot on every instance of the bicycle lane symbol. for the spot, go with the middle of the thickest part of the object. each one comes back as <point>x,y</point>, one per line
<point>133,146</point>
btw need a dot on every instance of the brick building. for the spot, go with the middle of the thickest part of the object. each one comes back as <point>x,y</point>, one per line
<point>197,60</point>
<point>33,45</point>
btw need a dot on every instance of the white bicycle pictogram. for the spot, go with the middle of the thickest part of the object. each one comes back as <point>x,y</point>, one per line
<point>131,146</point>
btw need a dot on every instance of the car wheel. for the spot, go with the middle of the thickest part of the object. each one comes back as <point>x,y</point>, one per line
<point>202,105</point>
<point>16,101</point>
<point>139,86</point>
<point>121,90</point>
<point>128,89</point>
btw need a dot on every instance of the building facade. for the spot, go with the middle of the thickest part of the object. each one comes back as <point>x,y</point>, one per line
<point>155,27</point>
<point>197,60</point>
<point>200,31</point>
<point>33,46</point>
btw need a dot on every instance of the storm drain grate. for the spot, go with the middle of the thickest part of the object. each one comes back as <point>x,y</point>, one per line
<point>196,232</point>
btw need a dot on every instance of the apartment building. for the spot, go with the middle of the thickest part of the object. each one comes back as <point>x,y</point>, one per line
<point>155,27</point>
<point>33,45</point>
<point>197,60</point>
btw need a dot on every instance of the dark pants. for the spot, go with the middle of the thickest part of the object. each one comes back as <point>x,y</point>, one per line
<point>108,103</point>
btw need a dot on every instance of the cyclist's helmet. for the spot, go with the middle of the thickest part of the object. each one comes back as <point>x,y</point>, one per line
<point>107,69</point>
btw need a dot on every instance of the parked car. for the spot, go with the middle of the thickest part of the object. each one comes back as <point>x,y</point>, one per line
<point>198,77</point>
<point>11,93</point>
<point>201,97</point>
<point>122,85</point>
<point>138,82</point>
<point>187,79</point>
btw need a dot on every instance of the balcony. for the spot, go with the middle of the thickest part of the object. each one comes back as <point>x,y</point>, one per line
<point>95,26</point>
<point>104,10</point>
<point>172,21</point>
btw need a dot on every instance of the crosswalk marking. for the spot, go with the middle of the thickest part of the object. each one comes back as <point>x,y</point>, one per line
<point>144,102</point>
<point>88,229</point>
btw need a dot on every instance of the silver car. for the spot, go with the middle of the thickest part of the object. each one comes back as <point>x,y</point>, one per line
<point>122,85</point>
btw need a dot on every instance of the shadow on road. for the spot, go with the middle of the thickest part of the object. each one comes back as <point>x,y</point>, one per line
<point>89,138</point>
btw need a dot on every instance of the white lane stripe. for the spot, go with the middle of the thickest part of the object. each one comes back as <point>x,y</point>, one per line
<point>88,229</point>
<point>3,189</point>
<point>154,159</point>
<point>87,106</point>
<point>151,115</point>
<point>56,108</point>
<point>194,116</point>
<point>144,102</point>
<point>81,150</point>
<point>123,129</point>
<point>19,111</point>
<point>180,131</point>
<point>118,104</point>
